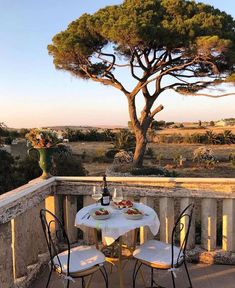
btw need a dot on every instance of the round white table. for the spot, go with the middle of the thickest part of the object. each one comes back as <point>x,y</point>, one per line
<point>117,225</point>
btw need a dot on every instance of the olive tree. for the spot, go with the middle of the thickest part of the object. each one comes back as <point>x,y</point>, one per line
<point>164,44</point>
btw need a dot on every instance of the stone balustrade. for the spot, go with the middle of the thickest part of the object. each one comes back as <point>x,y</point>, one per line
<point>23,250</point>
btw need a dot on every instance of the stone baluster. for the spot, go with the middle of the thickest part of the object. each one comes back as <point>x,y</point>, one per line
<point>184,202</point>
<point>208,223</point>
<point>145,233</point>
<point>70,210</point>
<point>228,225</point>
<point>6,260</point>
<point>167,220</point>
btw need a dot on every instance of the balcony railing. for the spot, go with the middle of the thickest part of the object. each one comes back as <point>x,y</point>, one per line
<point>23,250</point>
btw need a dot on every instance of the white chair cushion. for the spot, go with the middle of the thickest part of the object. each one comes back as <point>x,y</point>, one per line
<point>81,258</point>
<point>157,253</point>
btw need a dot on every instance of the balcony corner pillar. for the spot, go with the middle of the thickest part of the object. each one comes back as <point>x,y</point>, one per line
<point>6,261</point>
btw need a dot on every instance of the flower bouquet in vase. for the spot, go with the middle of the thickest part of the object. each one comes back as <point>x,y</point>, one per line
<point>44,141</point>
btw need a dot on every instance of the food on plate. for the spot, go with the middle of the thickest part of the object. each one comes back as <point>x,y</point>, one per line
<point>133,211</point>
<point>123,204</point>
<point>101,211</point>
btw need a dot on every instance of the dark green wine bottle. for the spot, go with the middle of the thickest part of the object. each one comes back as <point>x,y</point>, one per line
<point>105,200</point>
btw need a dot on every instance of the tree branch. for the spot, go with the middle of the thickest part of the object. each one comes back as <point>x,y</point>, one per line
<point>156,110</point>
<point>132,68</point>
<point>208,95</point>
<point>138,57</point>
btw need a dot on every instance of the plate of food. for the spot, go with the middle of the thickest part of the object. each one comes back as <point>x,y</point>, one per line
<point>133,213</point>
<point>122,204</point>
<point>100,213</point>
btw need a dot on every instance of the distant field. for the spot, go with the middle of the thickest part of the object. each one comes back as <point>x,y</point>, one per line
<point>196,129</point>
<point>90,148</point>
<point>167,152</point>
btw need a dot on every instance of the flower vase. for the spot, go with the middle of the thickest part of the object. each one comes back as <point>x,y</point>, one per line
<point>45,160</point>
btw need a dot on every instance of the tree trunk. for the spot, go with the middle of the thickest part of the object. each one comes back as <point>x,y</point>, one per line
<point>141,142</point>
<point>140,133</point>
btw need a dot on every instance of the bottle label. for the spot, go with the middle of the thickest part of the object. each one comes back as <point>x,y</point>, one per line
<point>106,199</point>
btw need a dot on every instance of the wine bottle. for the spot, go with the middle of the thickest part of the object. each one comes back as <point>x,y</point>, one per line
<point>105,200</point>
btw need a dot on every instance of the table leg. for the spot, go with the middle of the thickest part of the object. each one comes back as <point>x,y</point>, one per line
<point>135,238</point>
<point>120,263</point>
<point>96,239</point>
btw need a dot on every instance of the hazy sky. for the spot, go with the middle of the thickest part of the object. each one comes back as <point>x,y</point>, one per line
<point>34,94</point>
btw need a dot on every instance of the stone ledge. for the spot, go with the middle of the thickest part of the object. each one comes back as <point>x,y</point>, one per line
<point>199,255</point>
<point>34,271</point>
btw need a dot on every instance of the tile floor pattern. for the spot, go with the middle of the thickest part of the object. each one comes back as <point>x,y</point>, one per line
<point>203,276</point>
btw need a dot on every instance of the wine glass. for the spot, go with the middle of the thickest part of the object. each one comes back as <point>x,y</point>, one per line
<point>117,195</point>
<point>96,194</point>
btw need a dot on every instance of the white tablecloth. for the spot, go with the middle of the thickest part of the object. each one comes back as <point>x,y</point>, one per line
<point>117,224</point>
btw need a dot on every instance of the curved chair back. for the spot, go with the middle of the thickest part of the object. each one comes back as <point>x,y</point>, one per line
<point>183,223</point>
<point>54,232</point>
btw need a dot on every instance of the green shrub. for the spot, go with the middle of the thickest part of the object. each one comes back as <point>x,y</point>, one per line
<point>153,171</point>
<point>100,157</point>
<point>6,172</point>
<point>124,168</point>
<point>111,153</point>
<point>124,140</point>
<point>69,165</point>
<point>149,152</point>
<point>205,156</point>
<point>232,158</point>
<point>27,169</point>
<point>159,157</point>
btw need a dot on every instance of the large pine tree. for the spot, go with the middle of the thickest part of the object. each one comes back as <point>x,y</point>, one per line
<point>165,44</point>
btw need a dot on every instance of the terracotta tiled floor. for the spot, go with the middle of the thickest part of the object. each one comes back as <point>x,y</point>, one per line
<point>203,276</point>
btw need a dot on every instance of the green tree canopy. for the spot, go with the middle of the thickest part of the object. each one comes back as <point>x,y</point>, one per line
<point>165,44</point>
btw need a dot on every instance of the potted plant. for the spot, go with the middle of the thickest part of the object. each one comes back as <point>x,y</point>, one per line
<point>44,141</point>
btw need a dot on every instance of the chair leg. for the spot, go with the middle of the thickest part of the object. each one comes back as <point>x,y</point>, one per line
<point>135,273</point>
<point>173,279</point>
<point>189,280</point>
<point>105,276</point>
<point>49,278</point>
<point>152,282</point>
<point>83,283</point>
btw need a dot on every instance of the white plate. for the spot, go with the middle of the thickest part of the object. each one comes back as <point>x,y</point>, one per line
<point>100,217</point>
<point>133,216</point>
<point>118,208</point>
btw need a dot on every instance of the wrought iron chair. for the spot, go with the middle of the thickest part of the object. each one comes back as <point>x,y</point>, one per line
<point>77,262</point>
<point>159,255</point>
